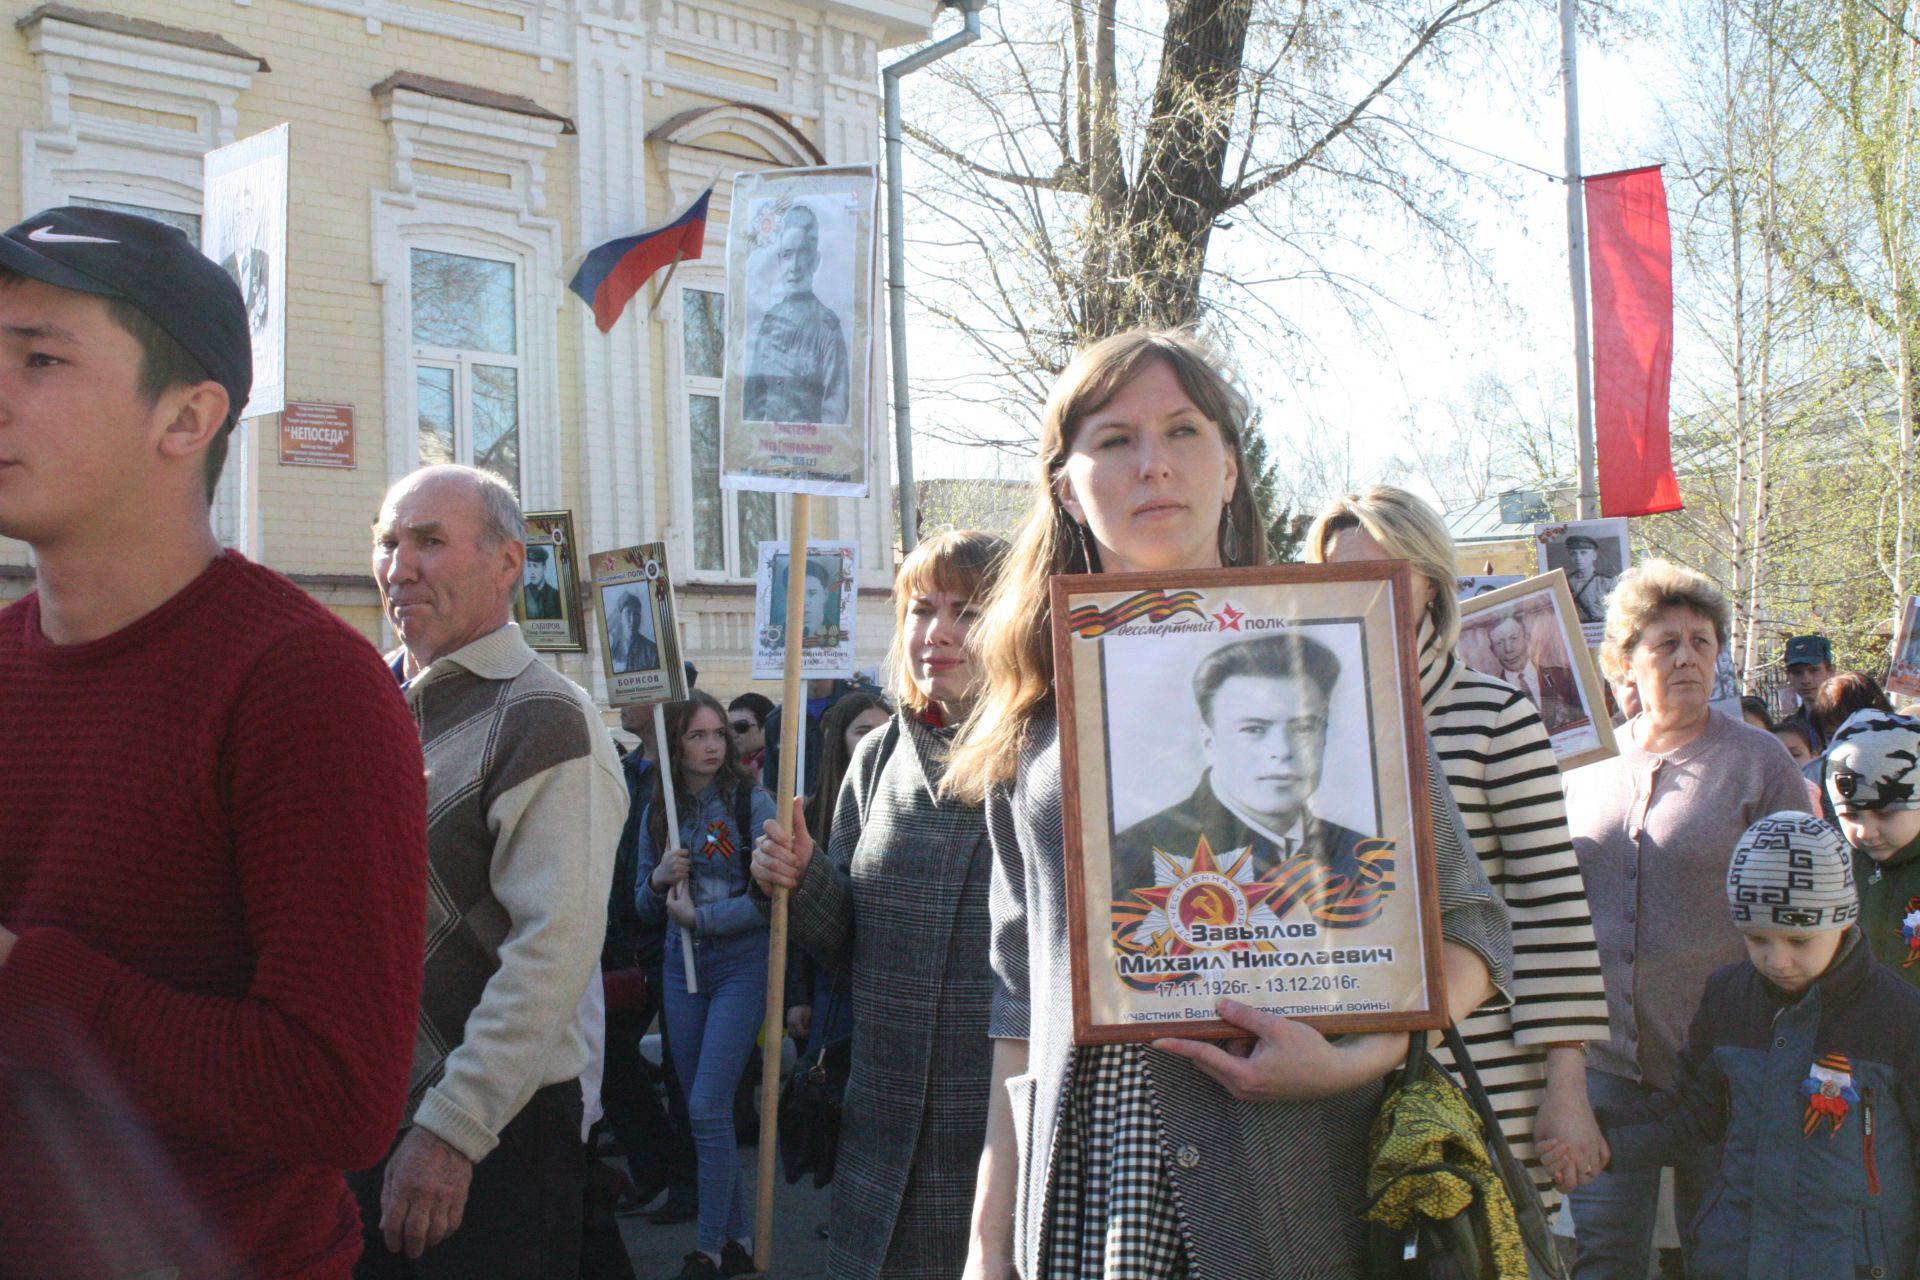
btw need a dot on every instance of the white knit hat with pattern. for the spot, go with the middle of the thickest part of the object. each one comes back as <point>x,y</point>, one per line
<point>1791,873</point>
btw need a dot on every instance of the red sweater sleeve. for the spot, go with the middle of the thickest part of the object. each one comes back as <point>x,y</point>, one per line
<point>326,797</point>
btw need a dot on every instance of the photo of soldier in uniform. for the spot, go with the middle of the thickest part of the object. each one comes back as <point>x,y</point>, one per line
<point>1593,555</point>
<point>1263,704</point>
<point>539,596</point>
<point>797,366</point>
<point>821,602</point>
<point>827,610</point>
<point>630,639</point>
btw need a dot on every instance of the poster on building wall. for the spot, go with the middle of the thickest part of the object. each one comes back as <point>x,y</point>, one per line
<point>243,227</point>
<point>639,640</point>
<point>548,604</point>
<point>826,634</point>
<point>801,300</point>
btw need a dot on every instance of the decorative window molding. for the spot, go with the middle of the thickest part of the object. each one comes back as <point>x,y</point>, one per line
<point>469,177</point>
<point>538,28</point>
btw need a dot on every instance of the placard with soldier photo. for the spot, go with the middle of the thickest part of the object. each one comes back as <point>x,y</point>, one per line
<point>1593,555</point>
<point>1903,672</point>
<point>801,291</point>
<point>243,227</point>
<point>1466,588</point>
<point>1201,712</point>
<point>547,606</point>
<point>639,641</point>
<point>1528,634</point>
<point>826,635</point>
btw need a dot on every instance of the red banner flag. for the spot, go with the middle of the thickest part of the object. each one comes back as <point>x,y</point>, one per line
<point>1630,266</point>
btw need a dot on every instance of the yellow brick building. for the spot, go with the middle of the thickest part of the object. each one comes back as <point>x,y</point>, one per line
<point>447,158</point>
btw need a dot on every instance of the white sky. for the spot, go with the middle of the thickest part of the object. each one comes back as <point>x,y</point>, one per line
<point>1370,390</point>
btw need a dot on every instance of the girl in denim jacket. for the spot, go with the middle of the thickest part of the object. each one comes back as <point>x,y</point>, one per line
<point>699,883</point>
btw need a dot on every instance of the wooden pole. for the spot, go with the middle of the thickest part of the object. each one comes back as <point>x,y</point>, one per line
<point>793,718</point>
<point>665,765</point>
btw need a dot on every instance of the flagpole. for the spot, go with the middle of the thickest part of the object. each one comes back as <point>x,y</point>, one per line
<point>793,716</point>
<point>1588,502</point>
<point>660,291</point>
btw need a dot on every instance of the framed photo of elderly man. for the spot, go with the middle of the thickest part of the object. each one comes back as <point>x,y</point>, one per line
<point>1528,634</point>
<point>639,640</point>
<point>1244,769</point>
<point>548,605</point>
<point>801,286</point>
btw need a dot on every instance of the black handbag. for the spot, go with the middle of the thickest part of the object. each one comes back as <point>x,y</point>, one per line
<point>810,1101</point>
<point>1458,1248</point>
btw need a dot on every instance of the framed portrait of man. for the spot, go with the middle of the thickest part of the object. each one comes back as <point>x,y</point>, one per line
<point>1593,555</point>
<point>828,591</point>
<point>802,283</point>
<point>639,641</point>
<point>1903,672</point>
<point>1528,634</point>
<point>1244,769</point>
<point>548,604</point>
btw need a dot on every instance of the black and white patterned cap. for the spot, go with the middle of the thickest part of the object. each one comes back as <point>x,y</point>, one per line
<point>1791,873</point>
<point>1873,762</point>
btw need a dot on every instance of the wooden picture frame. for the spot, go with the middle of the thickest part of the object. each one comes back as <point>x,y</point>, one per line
<point>1176,692</point>
<point>639,638</point>
<point>1535,621</point>
<point>547,605</point>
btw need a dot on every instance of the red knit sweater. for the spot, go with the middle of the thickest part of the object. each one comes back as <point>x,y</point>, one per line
<point>213,849</point>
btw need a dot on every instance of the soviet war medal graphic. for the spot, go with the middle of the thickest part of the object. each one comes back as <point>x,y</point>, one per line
<point>1206,912</point>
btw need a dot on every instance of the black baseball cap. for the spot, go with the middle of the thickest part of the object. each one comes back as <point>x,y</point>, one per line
<point>1811,651</point>
<point>152,266</point>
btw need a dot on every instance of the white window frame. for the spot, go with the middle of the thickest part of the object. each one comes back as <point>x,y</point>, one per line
<point>461,361</point>
<point>740,561</point>
<point>478,220</point>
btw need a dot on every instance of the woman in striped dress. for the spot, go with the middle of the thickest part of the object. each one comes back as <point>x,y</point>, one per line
<point>1506,781</point>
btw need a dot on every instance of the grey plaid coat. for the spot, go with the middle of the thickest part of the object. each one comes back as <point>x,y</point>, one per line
<point>902,895</point>
<point>1264,1188</point>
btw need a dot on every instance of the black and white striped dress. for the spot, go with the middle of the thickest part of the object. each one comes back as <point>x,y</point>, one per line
<point>1506,782</point>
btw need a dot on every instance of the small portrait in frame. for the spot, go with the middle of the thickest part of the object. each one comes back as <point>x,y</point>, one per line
<point>1528,635</point>
<point>548,604</point>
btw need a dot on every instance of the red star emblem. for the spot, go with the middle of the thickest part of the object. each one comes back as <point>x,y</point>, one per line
<point>1228,617</point>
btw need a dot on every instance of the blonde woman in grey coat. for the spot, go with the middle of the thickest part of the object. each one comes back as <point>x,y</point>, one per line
<point>901,896</point>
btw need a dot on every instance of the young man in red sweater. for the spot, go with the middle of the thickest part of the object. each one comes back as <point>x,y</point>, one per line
<point>212,810</point>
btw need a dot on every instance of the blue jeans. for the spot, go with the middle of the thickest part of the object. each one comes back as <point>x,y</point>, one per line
<point>711,1034</point>
<point>1614,1215</point>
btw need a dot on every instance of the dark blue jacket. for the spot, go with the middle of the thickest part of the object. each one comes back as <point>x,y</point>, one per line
<point>1834,1204</point>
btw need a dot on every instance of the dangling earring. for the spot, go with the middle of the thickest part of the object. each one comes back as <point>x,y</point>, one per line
<point>1228,551</point>
<point>1086,550</point>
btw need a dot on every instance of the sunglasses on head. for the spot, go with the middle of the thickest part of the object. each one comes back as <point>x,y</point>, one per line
<point>744,726</point>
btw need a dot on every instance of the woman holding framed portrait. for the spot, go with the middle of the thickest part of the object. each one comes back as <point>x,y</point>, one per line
<point>1501,767</point>
<point>900,897</point>
<point>1130,1161</point>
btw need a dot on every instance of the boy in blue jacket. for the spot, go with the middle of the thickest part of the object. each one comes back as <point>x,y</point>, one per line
<point>1803,1067</point>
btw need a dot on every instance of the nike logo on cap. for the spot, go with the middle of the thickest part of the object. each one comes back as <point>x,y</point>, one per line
<point>47,235</point>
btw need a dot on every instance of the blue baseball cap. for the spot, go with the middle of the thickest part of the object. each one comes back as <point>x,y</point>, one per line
<point>152,266</point>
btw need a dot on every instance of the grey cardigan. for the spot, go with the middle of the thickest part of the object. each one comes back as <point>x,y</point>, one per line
<point>1264,1188</point>
<point>902,895</point>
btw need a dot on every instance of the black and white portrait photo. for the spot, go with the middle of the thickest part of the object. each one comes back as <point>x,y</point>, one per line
<point>797,394</point>
<point>1528,635</point>
<point>538,594</point>
<point>797,366</point>
<point>1261,707</point>
<point>1593,555</point>
<point>630,635</point>
<point>1237,761</point>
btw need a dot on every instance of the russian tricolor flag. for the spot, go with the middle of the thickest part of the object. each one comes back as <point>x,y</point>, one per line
<point>610,275</point>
